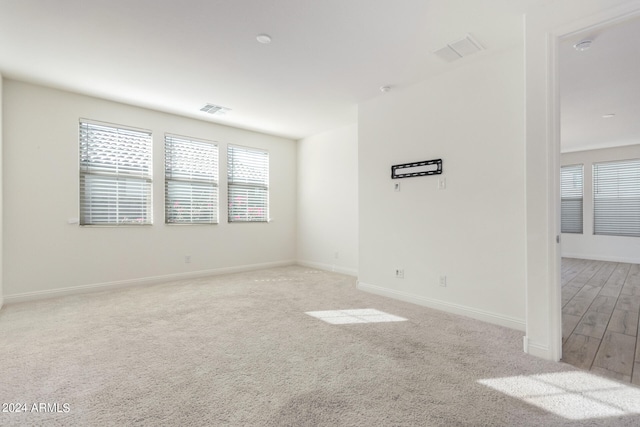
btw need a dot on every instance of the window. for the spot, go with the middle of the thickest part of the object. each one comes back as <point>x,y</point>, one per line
<point>248,179</point>
<point>571,178</point>
<point>191,181</point>
<point>616,198</point>
<point>115,175</point>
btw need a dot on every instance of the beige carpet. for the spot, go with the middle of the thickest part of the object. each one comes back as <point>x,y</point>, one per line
<point>239,350</point>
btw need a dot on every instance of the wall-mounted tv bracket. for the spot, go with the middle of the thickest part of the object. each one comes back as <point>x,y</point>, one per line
<point>408,170</point>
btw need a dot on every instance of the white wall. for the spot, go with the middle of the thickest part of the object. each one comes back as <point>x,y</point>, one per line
<point>473,231</point>
<point>44,255</point>
<point>1,193</point>
<point>328,200</point>
<point>588,245</point>
<point>543,27</point>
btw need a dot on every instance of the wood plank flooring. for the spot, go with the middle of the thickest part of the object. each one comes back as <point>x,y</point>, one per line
<point>600,317</point>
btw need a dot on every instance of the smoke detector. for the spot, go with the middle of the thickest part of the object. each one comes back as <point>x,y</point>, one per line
<point>459,49</point>
<point>583,45</point>
<point>263,38</point>
<point>215,109</point>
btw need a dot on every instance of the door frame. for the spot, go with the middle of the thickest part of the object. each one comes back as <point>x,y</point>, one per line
<point>543,35</point>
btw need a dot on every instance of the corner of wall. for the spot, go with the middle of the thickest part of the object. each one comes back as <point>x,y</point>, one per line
<point>327,195</point>
<point>538,350</point>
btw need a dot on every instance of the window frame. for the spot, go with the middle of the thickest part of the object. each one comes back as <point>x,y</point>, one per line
<point>250,184</point>
<point>200,180</point>
<point>121,171</point>
<point>627,190</point>
<point>565,227</point>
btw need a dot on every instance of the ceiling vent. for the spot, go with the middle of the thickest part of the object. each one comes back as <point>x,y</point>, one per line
<point>215,109</point>
<point>459,49</point>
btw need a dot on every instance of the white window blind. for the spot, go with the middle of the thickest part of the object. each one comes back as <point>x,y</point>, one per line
<point>115,175</point>
<point>191,181</point>
<point>248,181</point>
<point>571,180</point>
<point>616,198</point>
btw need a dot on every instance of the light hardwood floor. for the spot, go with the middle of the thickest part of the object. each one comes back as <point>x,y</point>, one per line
<point>600,317</point>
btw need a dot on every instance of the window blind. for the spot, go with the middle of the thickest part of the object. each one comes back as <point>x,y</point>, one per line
<point>115,175</point>
<point>191,181</point>
<point>248,184</point>
<point>616,198</point>
<point>571,193</point>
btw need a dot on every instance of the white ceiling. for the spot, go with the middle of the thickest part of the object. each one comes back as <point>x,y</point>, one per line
<point>604,79</point>
<point>175,56</point>
<point>326,56</point>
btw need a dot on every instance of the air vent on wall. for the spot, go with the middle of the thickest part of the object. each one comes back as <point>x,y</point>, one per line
<point>459,49</point>
<point>215,109</point>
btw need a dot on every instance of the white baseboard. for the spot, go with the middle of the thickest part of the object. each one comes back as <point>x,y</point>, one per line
<point>95,287</point>
<point>485,316</point>
<point>609,258</point>
<point>328,267</point>
<point>536,349</point>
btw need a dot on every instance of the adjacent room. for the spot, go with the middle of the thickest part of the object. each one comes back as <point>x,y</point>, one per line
<point>293,212</point>
<point>600,186</point>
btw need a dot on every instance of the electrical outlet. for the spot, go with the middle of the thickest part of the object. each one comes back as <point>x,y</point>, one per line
<point>187,259</point>
<point>443,281</point>
<point>442,183</point>
<point>336,255</point>
<point>399,273</point>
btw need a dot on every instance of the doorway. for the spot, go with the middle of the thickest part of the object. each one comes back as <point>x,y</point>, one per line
<point>600,272</point>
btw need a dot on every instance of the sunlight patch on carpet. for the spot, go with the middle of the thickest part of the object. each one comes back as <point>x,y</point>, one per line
<point>365,315</point>
<point>571,395</point>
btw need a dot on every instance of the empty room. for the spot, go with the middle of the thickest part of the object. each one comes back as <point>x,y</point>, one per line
<point>322,213</point>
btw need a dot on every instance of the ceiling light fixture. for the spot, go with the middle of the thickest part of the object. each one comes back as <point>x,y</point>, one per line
<point>385,89</point>
<point>263,38</point>
<point>608,116</point>
<point>583,45</point>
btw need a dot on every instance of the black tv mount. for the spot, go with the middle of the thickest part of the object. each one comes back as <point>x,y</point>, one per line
<point>424,168</point>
